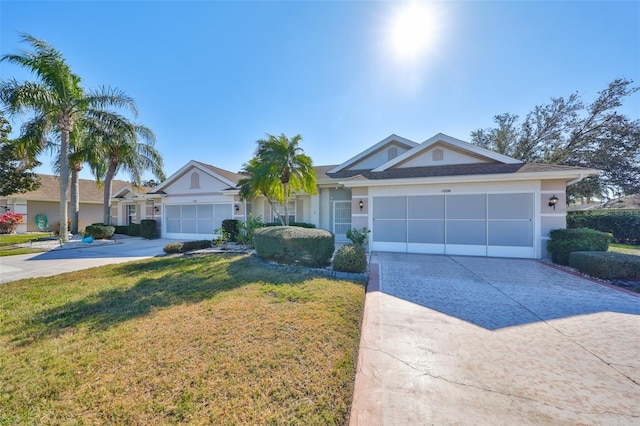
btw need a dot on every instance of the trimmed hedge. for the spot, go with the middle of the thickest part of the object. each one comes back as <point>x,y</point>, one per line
<point>120,229</point>
<point>294,245</point>
<point>298,224</point>
<point>350,258</point>
<point>99,231</point>
<point>565,241</point>
<point>609,266</point>
<point>173,248</point>
<point>230,228</point>
<point>625,227</point>
<point>148,229</point>
<point>196,245</point>
<point>133,229</point>
<point>179,247</point>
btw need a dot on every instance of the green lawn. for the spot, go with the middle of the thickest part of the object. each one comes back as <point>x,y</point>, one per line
<point>624,248</point>
<point>7,243</point>
<point>215,339</point>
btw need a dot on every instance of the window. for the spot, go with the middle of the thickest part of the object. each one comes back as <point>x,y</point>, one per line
<point>195,181</point>
<point>279,211</point>
<point>438,154</point>
<point>131,214</point>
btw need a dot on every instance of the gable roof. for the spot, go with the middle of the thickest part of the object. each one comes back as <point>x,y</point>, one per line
<point>49,190</point>
<point>409,144</point>
<point>137,191</point>
<point>225,176</point>
<point>447,140</point>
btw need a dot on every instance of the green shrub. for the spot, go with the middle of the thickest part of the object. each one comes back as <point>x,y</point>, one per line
<point>247,229</point>
<point>350,258</point>
<point>298,224</point>
<point>358,237</point>
<point>624,226</point>
<point>121,229</point>
<point>230,229</point>
<point>294,245</point>
<point>196,245</point>
<point>606,265</point>
<point>99,231</point>
<point>173,248</point>
<point>148,229</point>
<point>133,229</point>
<point>565,241</point>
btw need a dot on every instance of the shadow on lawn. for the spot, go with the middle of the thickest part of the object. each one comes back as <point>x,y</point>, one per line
<point>165,283</point>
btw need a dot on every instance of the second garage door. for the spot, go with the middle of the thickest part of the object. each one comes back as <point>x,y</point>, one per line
<point>195,221</point>
<point>468,224</point>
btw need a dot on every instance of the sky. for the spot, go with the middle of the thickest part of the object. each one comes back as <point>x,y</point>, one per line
<point>210,78</point>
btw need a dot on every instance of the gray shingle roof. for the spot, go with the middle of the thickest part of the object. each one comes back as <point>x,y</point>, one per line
<point>232,176</point>
<point>451,170</point>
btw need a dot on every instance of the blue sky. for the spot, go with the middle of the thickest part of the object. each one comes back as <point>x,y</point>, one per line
<point>212,77</point>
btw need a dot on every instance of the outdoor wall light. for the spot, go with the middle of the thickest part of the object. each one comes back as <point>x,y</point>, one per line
<point>156,209</point>
<point>553,201</point>
<point>237,207</point>
<point>361,204</point>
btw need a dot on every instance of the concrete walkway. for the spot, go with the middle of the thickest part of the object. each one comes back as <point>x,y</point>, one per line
<point>75,255</point>
<point>483,341</point>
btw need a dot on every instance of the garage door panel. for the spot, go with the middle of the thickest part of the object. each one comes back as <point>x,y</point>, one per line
<point>510,206</point>
<point>426,207</point>
<point>467,232</point>
<point>189,211</point>
<point>467,206</point>
<point>426,231</point>
<point>511,233</point>
<point>390,208</point>
<point>390,231</point>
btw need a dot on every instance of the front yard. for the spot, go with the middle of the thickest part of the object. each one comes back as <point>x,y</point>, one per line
<point>204,340</point>
<point>10,244</point>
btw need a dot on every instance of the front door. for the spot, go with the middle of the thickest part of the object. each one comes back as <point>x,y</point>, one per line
<point>341,219</point>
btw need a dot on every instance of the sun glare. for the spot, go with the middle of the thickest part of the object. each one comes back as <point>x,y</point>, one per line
<point>413,30</point>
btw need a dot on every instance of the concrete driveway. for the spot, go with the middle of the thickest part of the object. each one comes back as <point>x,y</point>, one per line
<point>484,341</point>
<point>75,256</point>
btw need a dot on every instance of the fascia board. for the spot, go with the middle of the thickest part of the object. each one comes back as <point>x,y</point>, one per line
<point>460,144</point>
<point>373,148</point>
<point>502,177</point>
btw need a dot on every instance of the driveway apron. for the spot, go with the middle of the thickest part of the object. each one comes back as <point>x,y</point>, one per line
<point>468,341</point>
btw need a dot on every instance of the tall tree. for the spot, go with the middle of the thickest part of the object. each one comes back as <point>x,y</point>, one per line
<point>567,131</point>
<point>123,146</point>
<point>55,100</point>
<point>16,176</point>
<point>278,167</point>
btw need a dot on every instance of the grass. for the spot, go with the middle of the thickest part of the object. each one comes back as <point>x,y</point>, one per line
<point>625,249</point>
<point>8,242</point>
<point>202,340</point>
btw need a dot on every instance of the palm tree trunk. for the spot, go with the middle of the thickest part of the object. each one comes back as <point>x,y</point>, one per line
<point>75,199</point>
<point>108,183</point>
<point>286,204</point>
<point>64,177</point>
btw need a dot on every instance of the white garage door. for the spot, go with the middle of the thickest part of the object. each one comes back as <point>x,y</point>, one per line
<point>195,221</point>
<point>473,224</point>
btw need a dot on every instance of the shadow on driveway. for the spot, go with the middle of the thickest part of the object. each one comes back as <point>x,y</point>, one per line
<point>495,293</point>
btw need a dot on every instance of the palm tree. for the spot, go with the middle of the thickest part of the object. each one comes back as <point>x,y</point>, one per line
<point>56,100</point>
<point>278,168</point>
<point>123,146</point>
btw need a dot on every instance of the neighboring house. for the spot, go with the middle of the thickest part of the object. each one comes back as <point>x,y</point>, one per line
<point>443,196</point>
<point>44,203</point>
